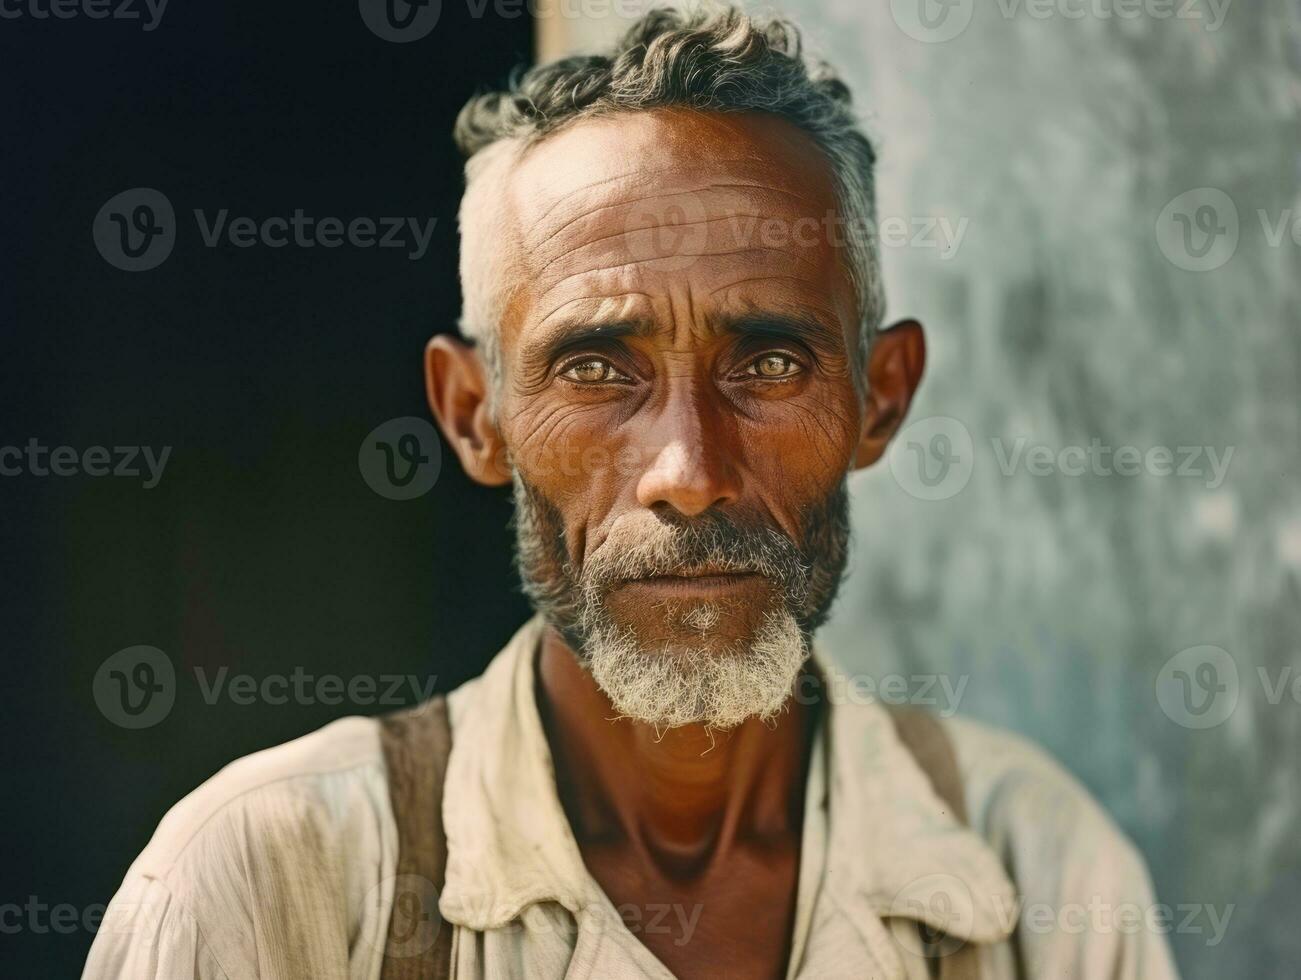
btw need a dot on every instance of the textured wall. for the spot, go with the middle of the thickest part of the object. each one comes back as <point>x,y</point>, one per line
<point>1080,310</point>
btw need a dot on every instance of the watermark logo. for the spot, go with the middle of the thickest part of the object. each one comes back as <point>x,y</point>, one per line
<point>669,231</point>
<point>135,687</point>
<point>401,459</point>
<point>933,458</point>
<point>136,230</point>
<point>400,21</point>
<point>942,904</point>
<point>1198,687</point>
<point>932,21</point>
<point>413,917</point>
<point>1199,230</point>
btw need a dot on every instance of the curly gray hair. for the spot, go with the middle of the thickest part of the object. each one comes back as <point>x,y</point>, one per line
<point>719,60</point>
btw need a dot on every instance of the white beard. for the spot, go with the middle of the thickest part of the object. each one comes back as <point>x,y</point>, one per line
<point>696,685</point>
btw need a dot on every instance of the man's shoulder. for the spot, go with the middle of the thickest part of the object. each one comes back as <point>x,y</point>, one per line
<point>1044,824</point>
<point>267,868</point>
<point>298,793</point>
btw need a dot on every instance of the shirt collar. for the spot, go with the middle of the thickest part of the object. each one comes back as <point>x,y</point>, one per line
<point>890,838</point>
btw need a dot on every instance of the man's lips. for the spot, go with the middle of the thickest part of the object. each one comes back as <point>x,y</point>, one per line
<point>697,583</point>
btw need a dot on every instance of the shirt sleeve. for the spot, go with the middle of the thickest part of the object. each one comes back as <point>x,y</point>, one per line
<point>1087,907</point>
<point>280,865</point>
<point>147,934</point>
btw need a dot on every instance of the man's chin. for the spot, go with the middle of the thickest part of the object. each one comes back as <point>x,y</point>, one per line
<point>666,623</point>
<point>687,672</point>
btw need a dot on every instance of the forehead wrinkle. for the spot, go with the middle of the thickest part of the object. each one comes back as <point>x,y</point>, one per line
<point>739,282</point>
<point>570,251</point>
<point>642,173</point>
<point>662,258</point>
<point>542,232</point>
<point>600,296</point>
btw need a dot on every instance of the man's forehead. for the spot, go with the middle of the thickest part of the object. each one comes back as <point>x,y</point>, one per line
<point>613,212</point>
<point>605,160</point>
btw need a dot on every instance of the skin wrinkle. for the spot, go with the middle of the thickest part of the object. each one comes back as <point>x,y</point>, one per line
<point>542,232</point>
<point>753,249</point>
<point>600,296</point>
<point>641,175</point>
<point>731,219</point>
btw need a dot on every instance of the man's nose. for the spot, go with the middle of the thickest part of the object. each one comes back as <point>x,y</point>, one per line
<point>693,466</point>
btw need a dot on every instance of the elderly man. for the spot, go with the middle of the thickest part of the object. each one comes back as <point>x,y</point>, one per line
<point>673,351</point>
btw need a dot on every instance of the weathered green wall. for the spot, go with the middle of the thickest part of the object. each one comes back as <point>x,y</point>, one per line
<point>1074,312</point>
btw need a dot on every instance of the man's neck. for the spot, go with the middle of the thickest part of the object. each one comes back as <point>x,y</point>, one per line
<point>682,799</point>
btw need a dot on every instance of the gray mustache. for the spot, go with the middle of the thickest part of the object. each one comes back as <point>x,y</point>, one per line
<point>716,545</point>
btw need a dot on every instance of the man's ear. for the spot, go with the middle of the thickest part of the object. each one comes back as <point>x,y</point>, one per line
<point>894,369</point>
<point>456,383</point>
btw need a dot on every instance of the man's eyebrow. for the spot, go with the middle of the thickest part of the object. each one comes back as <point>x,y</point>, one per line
<point>778,324</point>
<point>567,335</point>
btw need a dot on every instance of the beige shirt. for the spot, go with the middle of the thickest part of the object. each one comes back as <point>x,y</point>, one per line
<point>283,864</point>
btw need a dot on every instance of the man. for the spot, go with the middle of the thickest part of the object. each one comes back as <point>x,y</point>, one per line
<point>673,308</point>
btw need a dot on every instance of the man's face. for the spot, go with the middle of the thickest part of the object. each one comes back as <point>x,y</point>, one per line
<point>681,402</point>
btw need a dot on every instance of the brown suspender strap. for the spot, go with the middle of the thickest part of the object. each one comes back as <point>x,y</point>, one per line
<point>417,742</point>
<point>923,735</point>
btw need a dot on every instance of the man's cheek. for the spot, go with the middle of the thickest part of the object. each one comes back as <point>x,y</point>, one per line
<point>569,451</point>
<point>800,451</point>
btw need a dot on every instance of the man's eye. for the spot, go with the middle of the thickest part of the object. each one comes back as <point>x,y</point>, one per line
<point>594,370</point>
<point>773,365</point>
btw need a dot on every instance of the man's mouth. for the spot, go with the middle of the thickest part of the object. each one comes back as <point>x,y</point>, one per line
<point>698,583</point>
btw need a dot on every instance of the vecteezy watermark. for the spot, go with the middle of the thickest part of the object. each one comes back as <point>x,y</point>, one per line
<point>1207,463</point>
<point>301,687</point>
<point>941,692</point>
<point>401,458</point>
<point>409,903</point>
<point>41,918</point>
<point>932,21</point>
<point>1102,916</point>
<point>136,688</point>
<point>943,904</point>
<point>400,21</point>
<point>933,459</point>
<point>148,12</point>
<point>937,21</point>
<point>1210,13</point>
<point>1201,229</point>
<point>37,459</point>
<point>136,230</point>
<point>1200,687</point>
<point>403,21</point>
<point>673,231</point>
